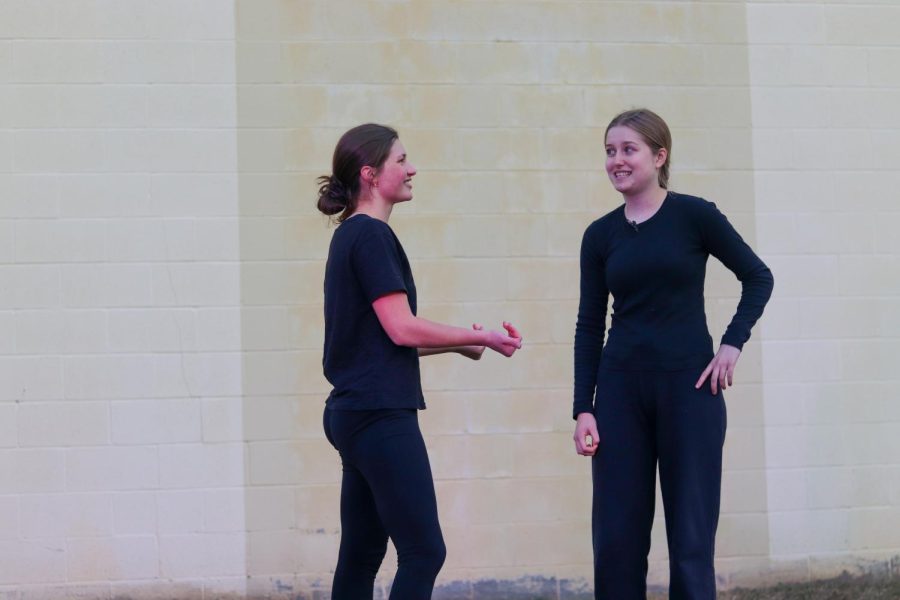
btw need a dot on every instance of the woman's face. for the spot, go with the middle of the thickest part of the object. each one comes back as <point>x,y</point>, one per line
<point>631,164</point>
<point>393,182</point>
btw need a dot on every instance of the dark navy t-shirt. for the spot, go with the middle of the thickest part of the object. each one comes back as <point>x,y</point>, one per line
<point>368,370</point>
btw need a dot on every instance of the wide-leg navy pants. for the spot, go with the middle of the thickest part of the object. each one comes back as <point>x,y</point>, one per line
<point>645,419</point>
<point>387,491</point>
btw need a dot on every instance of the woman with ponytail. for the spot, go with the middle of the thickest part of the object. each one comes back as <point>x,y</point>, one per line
<point>373,341</point>
<point>652,395</point>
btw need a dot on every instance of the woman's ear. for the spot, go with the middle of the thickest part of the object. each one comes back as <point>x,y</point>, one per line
<point>661,156</point>
<point>368,174</point>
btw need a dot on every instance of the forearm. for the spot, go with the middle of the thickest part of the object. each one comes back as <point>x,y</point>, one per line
<point>590,332</point>
<point>406,329</point>
<point>435,338</point>
<point>473,352</point>
<point>755,293</point>
<point>587,352</point>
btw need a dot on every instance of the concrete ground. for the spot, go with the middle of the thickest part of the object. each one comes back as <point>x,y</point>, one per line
<point>840,588</point>
<point>884,586</point>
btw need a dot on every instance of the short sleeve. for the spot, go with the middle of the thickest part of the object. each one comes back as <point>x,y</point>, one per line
<point>377,262</point>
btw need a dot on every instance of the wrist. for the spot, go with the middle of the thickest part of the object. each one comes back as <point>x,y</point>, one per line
<point>473,352</point>
<point>726,341</point>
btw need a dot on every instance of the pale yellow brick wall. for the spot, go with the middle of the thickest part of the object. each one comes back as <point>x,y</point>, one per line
<point>501,106</point>
<point>121,468</point>
<point>160,317</point>
<point>825,94</point>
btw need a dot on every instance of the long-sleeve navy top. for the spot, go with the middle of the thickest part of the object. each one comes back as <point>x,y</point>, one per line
<point>655,273</point>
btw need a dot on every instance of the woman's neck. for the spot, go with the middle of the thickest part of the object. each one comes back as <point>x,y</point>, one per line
<point>375,208</point>
<point>644,205</point>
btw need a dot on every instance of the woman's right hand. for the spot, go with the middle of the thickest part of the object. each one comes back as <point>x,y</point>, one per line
<point>505,344</point>
<point>586,436</point>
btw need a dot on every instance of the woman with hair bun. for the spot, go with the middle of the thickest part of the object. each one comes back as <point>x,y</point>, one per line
<point>643,398</point>
<point>373,341</point>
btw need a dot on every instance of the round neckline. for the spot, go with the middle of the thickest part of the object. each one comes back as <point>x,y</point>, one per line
<point>357,217</point>
<point>651,217</point>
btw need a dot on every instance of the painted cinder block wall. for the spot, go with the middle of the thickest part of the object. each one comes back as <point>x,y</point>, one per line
<point>122,459</point>
<point>825,84</point>
<point>160,417</point>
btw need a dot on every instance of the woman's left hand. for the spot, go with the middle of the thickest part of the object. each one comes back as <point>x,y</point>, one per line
<point>721,369</point>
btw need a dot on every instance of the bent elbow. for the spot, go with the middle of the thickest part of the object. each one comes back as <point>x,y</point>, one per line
<point>395,336</point>
<point>760,278</point>
<point>767,281</point>
<point>401,335</point>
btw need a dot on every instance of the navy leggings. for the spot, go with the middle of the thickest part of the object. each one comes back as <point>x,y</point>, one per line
<point>387,491</point>
<point>644,418</point>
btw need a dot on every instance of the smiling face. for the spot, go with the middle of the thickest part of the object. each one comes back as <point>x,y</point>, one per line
<point>631,164</point>
<point>393,181</point>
